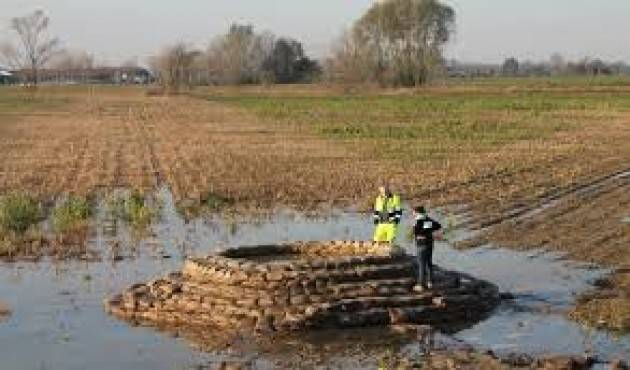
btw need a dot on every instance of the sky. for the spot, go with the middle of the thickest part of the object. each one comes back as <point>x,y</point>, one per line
<point>488,31</point>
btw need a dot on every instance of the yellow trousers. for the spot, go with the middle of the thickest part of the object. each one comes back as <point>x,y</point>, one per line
<point>385,232</point>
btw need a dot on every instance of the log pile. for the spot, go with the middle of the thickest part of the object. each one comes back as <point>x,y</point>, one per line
<point>304,285</point>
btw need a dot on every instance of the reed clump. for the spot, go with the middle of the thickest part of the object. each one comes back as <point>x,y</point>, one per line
<point>72,214</point>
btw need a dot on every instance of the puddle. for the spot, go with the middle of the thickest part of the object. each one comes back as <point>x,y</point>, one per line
<point>58,321</point>
<point>544,286</point>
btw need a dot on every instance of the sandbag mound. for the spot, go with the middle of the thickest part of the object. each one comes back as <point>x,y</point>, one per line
<point>298,286</point>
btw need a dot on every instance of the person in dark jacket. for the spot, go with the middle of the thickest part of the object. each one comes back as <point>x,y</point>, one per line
<point>425,231</point>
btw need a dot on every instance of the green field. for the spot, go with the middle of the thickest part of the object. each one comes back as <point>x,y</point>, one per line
<point>427,122</point>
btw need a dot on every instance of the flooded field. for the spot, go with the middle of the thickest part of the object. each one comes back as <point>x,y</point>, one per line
<point>536,163</point>
<point>58,321</point>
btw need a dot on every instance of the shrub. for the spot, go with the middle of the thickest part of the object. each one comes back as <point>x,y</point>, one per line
<point>137,211</point>
<point>72,214</point>
<point>18,213</point>
<point>134,209</point>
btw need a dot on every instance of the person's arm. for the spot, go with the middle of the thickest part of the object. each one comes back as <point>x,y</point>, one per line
<point>437,231</point>
<point>396,214</point>
<point>376,215</point>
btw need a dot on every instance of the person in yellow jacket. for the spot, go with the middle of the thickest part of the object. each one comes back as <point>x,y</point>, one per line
<point>387,215</point>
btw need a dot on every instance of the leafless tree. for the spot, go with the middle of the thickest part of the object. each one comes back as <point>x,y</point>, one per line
<point>397,42</point>
<point>34,46</point>
<point>174,66</point>
<point>238,56</point>
<point>349,63</point>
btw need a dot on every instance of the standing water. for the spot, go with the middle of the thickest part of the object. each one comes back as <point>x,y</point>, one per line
<point>58,321</point>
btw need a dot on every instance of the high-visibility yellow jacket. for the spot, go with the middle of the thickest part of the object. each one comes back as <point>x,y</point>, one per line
<point>387,209</point>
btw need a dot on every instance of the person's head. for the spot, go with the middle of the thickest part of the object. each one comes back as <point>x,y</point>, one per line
<point>420,211</point>
<point>383,190</point>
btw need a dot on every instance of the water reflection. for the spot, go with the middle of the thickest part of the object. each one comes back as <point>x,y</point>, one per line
<point>58,321</point>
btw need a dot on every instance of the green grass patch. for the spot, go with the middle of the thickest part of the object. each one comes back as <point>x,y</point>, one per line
<point>556,81</point>
<point>135,208</point>
<point>415,108</point>
<point>18,213</point>
<point>72,214</point>
<point>472,120</point>
<point>22,100</point>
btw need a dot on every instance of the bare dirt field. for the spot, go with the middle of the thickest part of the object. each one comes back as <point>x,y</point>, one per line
<point>537,165</point>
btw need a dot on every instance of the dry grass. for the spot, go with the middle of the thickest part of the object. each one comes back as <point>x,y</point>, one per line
<point>587,226</point>
<point>266,147</point>
<point>488,149</point>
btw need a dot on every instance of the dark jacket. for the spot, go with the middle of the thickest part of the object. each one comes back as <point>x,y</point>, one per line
<point>424,228</point>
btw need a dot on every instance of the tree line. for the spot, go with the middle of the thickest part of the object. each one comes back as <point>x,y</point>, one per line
<point>395,43</point>
<point>557,65</point>
<point>240,56</point>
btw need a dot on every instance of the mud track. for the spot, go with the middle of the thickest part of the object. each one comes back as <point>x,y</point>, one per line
<point>591,187</point>
<point>587,221</point>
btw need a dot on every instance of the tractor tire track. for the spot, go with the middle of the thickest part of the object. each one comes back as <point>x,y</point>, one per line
<point>552,198</point>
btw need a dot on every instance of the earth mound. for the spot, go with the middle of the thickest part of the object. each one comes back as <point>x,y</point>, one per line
<point>291,287</point>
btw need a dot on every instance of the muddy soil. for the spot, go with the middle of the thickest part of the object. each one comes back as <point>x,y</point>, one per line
<point>25,248</point>
<point>471,359</point>
<point>209,153</point>
<point>4,310</point>
<point>586,222</point>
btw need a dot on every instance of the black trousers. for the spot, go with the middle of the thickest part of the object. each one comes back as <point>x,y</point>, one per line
<point>425,263</point>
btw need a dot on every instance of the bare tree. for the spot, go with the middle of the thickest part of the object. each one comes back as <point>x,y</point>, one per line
<point>8,55</point>
<point>174,65</point>
<point>238,56</point>
<point>398,42</point>
<point>34,47</point>
<point>350,63</point>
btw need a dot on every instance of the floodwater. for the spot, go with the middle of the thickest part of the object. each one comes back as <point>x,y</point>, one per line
<point>58,321</point>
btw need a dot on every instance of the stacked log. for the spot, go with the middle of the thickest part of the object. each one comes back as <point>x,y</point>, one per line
<point>304,285</point>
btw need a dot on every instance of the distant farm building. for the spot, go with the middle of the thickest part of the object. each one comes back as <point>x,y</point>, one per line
<point>469,70</point>
<point>101,75</point>
<point>6,77</point>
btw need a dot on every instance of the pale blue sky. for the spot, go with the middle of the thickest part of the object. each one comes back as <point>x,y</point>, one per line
<point>487,30</point>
